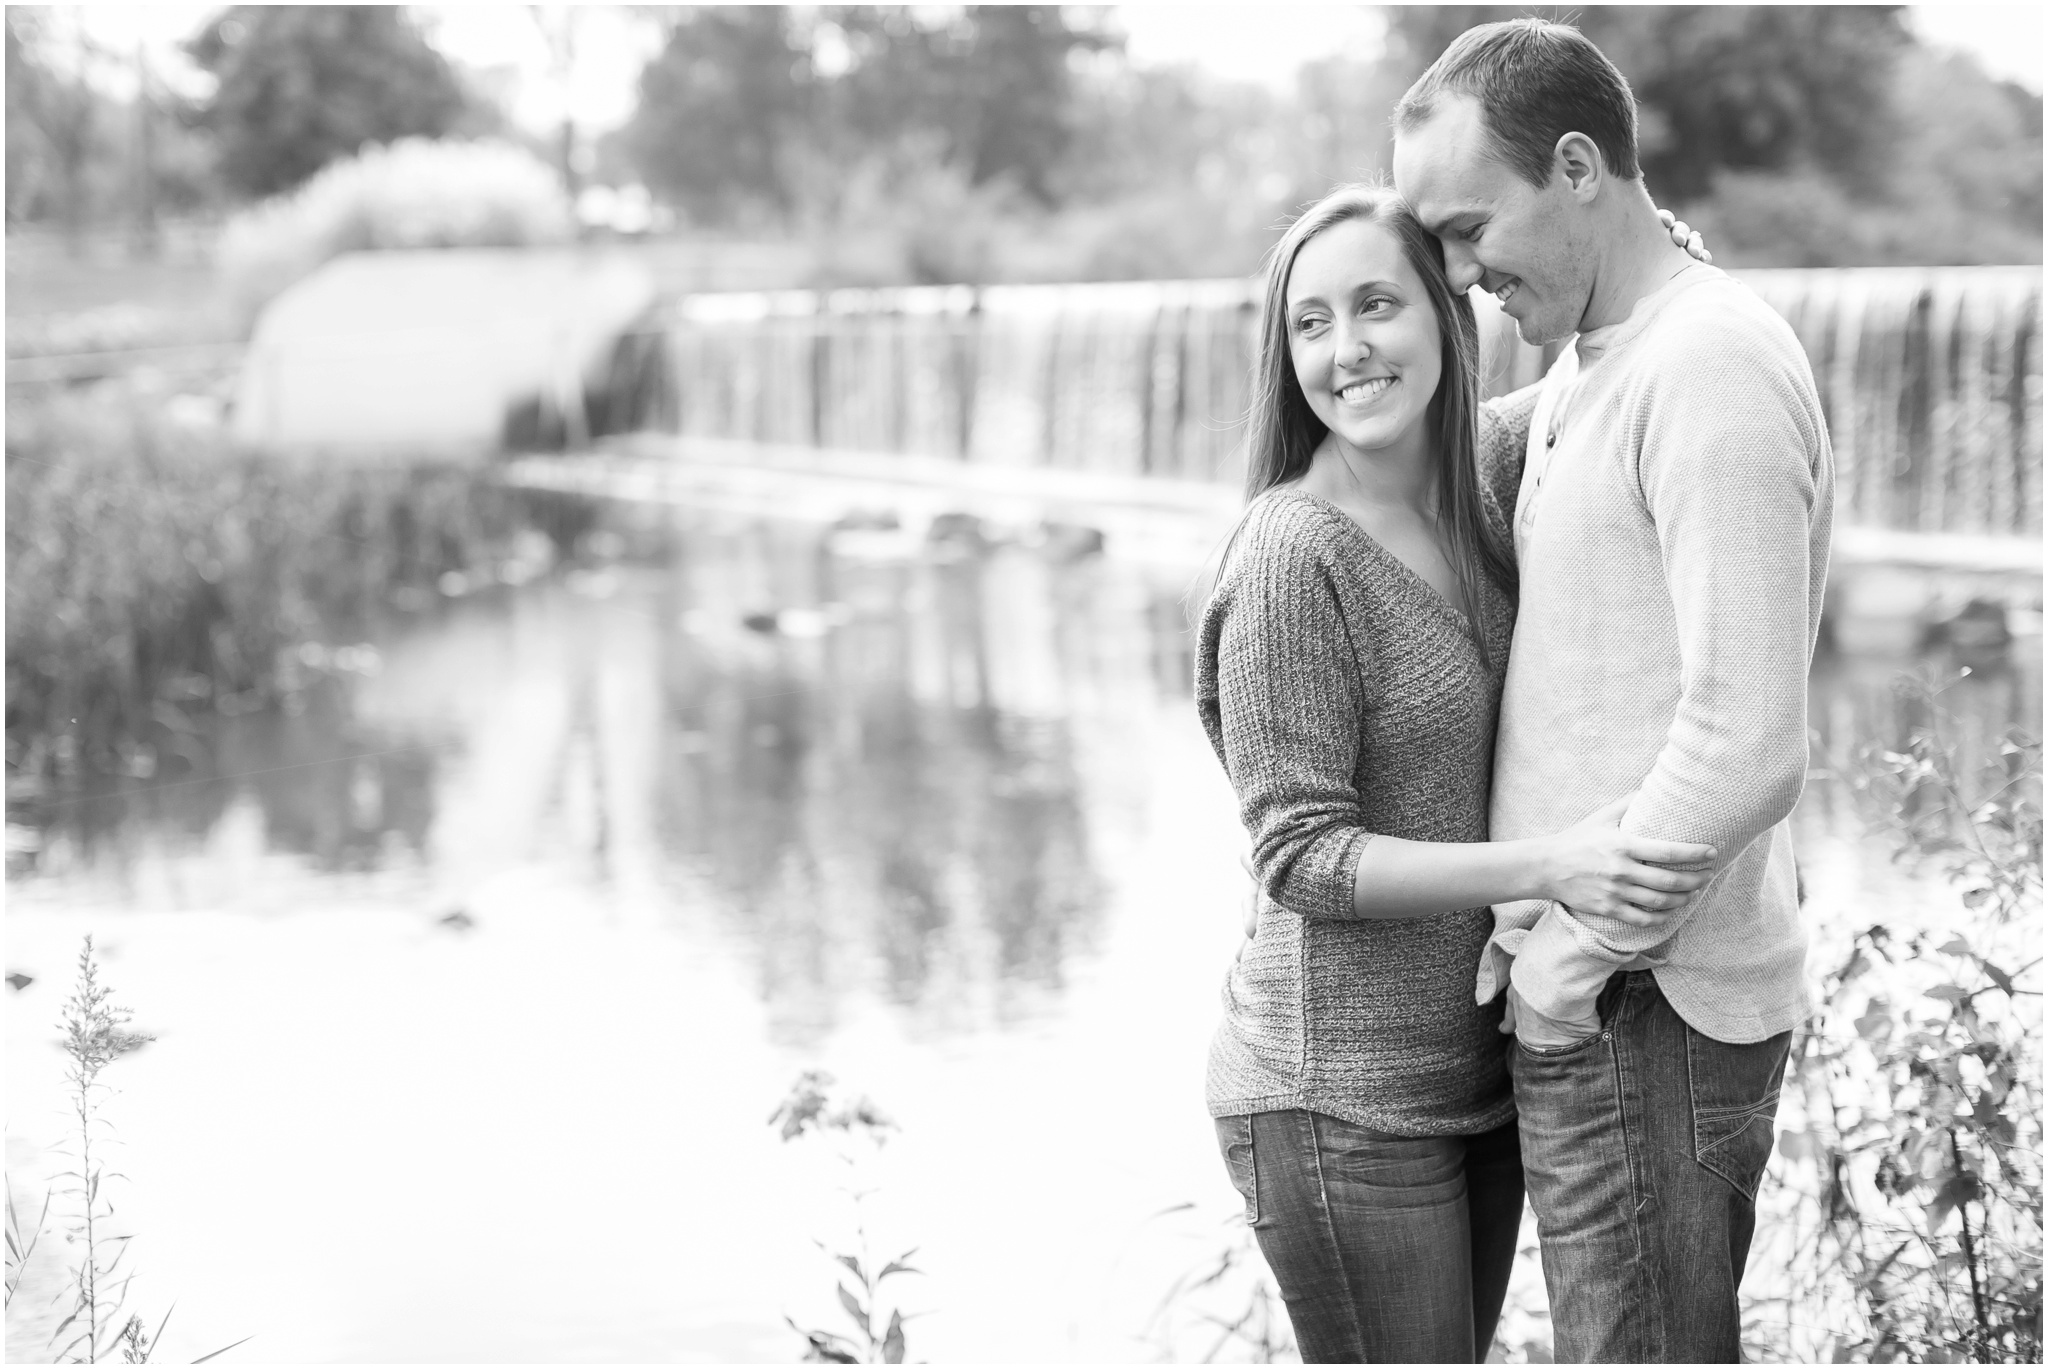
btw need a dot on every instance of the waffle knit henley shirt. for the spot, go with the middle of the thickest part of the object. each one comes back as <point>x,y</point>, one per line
<point>1672,529</point>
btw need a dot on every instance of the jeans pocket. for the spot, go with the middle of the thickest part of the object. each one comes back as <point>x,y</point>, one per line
<point>1234,1135</point>
<point>1558,1052</point>
<point>1734,1093</point>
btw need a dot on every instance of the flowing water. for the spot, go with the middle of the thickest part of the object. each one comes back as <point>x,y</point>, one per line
<point>1930,379</point>
<point>477,970</point>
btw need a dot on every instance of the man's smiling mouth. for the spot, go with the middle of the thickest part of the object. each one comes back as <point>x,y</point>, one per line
<point>1364,391</point>
<point>1507,292</point>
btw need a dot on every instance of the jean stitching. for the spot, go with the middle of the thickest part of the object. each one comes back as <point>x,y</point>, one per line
<point>1647,1270</point>
<point>1251,1146</point>
<point>1744,1112</point>
<point>1702,1151</point>
<point>1709,1155</point>
<point>1330,1234</point>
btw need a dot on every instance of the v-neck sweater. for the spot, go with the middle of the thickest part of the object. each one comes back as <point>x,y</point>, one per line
<point>1346,698</point>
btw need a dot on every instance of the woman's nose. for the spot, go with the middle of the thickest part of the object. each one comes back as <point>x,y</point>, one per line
<point>1354,352</point>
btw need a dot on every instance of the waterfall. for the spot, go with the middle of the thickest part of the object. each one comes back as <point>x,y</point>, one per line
<point>1930,379</point>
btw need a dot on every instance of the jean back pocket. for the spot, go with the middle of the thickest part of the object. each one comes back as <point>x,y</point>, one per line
<point>1234,1136</point>
<point>1735,1105</point>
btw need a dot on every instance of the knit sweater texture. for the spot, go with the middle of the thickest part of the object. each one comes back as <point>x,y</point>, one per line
<point>1672,564</point>
<point>1346,698</point>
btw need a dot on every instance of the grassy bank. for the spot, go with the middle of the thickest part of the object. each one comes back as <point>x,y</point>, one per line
<point>153,570</point>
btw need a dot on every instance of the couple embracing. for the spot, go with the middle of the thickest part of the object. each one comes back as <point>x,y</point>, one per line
<point>1513,697</point>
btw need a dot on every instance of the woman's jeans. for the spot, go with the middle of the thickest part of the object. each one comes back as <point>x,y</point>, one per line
<point>1387,1249</point>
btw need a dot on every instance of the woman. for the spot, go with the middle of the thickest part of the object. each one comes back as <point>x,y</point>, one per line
<point>1350,664</point>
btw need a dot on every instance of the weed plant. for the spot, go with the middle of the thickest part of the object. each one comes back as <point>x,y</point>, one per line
<point>856,1129</point>
<point>1252,1325</point>
<point>95,1035</point>
<point>153,570</point>
<point>1914,1154</point>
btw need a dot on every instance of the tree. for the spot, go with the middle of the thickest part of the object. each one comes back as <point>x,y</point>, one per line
<point>992,85</point>
<point>59,139</point>
<point>303,85</point>
<point>752,110</point>
<point>723,109</point>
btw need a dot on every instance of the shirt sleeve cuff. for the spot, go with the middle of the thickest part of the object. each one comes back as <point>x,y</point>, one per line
<point>1562,967</point>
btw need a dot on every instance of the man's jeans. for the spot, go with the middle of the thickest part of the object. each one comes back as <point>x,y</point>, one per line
<point>1643,1146</point>
<point>1387,1249</point>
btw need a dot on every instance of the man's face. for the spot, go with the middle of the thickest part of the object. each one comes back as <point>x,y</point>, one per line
<point>1529,247</point>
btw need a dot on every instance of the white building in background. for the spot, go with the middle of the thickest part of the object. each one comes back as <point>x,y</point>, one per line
<point>427,352</point>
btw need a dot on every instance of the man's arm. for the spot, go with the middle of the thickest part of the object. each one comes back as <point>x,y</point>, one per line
<point>1734,489</point>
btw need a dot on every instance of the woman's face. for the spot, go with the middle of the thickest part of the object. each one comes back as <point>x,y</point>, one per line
<point>1367,349</point>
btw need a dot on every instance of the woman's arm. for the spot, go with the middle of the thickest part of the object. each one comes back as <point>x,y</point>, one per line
<point>1592,865</point>
<point>1502,450</point>
<point>1289,695</point>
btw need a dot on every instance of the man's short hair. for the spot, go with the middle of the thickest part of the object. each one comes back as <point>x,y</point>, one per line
<point>1535,81</point>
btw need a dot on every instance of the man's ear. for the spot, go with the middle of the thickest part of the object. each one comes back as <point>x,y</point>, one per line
<point>1577,160</point>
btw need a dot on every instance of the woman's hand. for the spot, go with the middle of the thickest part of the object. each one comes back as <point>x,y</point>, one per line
<point>1683,236</point>
<point>1596,867</point>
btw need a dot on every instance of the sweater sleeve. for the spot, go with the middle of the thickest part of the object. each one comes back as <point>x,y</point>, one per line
<point>1503,450</point>
<point>1737,493</point>
<point>1287,720</point>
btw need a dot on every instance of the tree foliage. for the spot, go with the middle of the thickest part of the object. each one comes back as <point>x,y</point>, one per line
<point>764,110</point>
<point>301,85</point>
<point>58,126</point>
<point>723,109</point>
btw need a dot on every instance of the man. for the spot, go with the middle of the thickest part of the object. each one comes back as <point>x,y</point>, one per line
<point>1672,532</point>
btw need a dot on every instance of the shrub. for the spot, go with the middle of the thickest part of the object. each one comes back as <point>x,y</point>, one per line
<point>413,193</point>
<point>149,563</point>
<point>1914,1162</point>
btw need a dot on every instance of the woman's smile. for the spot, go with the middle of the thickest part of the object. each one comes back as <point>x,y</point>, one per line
<point>1360,393</point>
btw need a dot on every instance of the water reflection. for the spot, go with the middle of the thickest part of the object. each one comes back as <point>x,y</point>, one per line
<point>888,767</point>
<point>879,788</point>
<point>1971,697</point>
<point>345,793</point>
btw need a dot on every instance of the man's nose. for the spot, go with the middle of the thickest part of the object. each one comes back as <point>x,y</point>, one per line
<point>1461,268</point>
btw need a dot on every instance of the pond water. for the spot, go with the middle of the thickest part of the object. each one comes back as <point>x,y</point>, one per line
<point>477,971</point>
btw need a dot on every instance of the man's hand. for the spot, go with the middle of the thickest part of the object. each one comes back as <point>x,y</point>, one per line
<point>1542,1033</point>
<point>1251,894</point>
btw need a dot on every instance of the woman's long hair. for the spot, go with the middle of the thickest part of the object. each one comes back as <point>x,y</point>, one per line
<point>1283,432</point>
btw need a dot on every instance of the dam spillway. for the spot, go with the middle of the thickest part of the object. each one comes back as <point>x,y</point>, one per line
<point>1930,379</point>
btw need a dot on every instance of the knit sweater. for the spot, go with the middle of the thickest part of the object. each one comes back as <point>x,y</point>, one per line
<point>1346,698</point>
<point>1673,551</point>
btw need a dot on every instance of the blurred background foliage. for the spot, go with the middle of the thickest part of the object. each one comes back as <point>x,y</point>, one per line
<point>888,144</point>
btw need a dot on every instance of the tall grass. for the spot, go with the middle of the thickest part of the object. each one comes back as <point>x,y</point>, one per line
<point>152,566</point>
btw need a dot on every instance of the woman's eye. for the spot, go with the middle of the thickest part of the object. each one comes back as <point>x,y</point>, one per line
<point>1377,304</point>
<point>1472,234</point>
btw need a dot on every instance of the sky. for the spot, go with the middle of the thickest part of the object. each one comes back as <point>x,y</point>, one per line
<point>1263,43</point>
